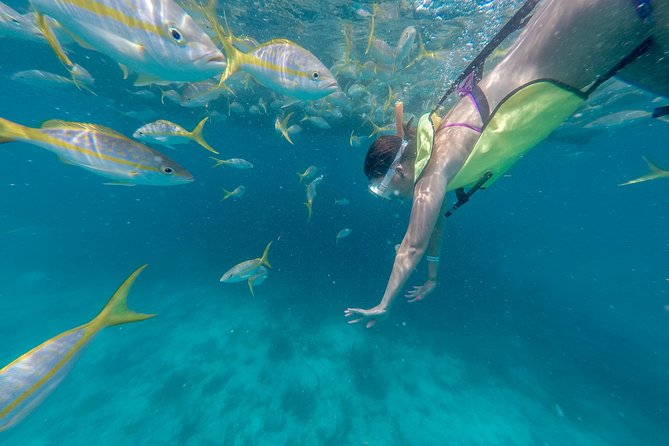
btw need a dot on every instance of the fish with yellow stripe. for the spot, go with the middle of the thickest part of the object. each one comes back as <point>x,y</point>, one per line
<point>168,133</point>
<point>279,64</point>
<point>26,381</point>
<point>156,39</point>
<point>100,150</point>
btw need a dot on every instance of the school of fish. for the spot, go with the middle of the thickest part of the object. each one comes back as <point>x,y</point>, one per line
<point>189,54</point>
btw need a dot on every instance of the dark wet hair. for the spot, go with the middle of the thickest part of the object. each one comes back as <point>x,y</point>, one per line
<point>381,154</point>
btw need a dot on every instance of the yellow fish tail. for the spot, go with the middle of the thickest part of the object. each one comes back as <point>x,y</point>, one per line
<point>232,54</point>
<point>218,162</point>
<point>196,135</point>
<point>654,172</point>
<point>11,131</point>
<point>282,126</point>
<point>116,311</point>
<point>263,258</point>
<point>375,8</point>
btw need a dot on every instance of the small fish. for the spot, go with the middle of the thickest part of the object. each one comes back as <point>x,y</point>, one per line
<point>15,25</point>
<point>200,94</point>
<point>280,125</point>
<point>653,174</point>
<point>236,108</point>
<point>280,65</point>
<point>382,52</point>
<point>42,79</point>
<point>317,122</point>
<point>294,129</point>
<point>343,233</point>
<point>404,45</point>
<point>618,119</point>
<point>311,194</point>
<point>355,141</point>
<point>238,192</point>
<point>100,150</point>
<point>156,39</point>
<point>235,163</point>
<point>168,133</point>
<point>26,381</point>
<point>308,173</point>
<point>341,201</point>
<point>249,270</point>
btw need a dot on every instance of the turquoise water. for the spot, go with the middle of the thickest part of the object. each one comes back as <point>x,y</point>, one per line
<point>549,326</point>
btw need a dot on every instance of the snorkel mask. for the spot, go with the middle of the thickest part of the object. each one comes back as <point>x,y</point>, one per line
<point>380,189</point>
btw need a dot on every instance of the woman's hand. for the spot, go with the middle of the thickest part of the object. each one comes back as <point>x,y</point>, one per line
<point>420,292</point>
<point>371,316</point>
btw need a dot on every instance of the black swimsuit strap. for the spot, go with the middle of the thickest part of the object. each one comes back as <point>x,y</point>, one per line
<point>516,22</point>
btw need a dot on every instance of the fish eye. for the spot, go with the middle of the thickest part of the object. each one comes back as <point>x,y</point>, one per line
<point>315,75</point>
<point>176,35</point>
<point>167,170</point>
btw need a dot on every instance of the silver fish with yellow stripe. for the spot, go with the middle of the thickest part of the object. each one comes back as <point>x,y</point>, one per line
<point>155,38</point>
<point>26,381</point>
<point>280,65</point>
<point>100,150</point>
<point>168,133</point>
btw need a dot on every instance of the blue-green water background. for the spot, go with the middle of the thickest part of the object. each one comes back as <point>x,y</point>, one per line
<point>548,327</point>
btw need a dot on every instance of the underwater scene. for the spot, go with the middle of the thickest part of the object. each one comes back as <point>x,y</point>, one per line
<point>225,150</point>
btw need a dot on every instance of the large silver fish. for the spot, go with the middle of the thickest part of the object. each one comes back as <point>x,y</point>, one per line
<point>154,38</point>
<point>26,381</point>
<point>101,150</point>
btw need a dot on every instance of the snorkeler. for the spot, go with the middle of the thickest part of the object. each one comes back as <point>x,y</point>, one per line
<point>567,48</point>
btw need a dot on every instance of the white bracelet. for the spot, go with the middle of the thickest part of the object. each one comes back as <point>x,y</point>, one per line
<point>433,259</point>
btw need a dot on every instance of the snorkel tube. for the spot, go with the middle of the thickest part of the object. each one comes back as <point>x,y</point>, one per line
<point>399,119</point>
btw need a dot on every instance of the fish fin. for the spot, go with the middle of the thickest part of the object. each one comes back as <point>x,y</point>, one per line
<point>144,80</point>
<point>196,135</point>
<point>116,311</point>
<point>282,126</point>
<point>263,258</point>
<point>219,162</point>
<point>66,161</point>
<point>58,123</point>
<point>124,70</point>
<point>375,8</point>
<point>227,194</point>
<point>250,282</point>
<point>232,54</point>
<point>301,175</point>
<point>118,184</point>
<point>11,131</point>
<point>50,37</point>
<point>653,174</point>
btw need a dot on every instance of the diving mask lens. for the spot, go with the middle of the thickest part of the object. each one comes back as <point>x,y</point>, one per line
<point>381,189</point>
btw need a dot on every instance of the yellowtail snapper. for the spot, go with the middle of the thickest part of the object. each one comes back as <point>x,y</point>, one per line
<point>236,163</point>
<point>168,133</point>
<point>156,39</point>
<point>238,192</point>
<point>100,150</point>
<point>249,270</point>
<point>279,64</point>
<point>26,381</point>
